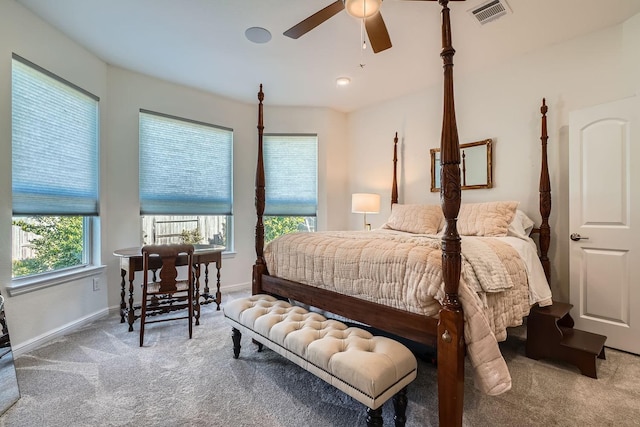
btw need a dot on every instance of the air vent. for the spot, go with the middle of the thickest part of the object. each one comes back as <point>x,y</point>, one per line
<point>490,11</point>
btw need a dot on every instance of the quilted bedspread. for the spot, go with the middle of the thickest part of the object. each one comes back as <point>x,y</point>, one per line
<point>404,271</point>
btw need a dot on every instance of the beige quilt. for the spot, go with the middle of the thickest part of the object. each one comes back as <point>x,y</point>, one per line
<point>404,271</point>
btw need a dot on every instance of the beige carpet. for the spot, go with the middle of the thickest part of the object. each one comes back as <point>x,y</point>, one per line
<point>98,376</point>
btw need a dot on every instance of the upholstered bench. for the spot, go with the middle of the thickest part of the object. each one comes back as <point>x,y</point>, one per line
<point>371,369</point>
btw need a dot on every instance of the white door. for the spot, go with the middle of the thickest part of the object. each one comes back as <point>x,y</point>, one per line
<point>604,203</point>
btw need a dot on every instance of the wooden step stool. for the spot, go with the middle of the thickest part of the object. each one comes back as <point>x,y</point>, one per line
<point>550,334</point>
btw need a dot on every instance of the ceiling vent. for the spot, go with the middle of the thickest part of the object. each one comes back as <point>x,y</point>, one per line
<point>490,11</point>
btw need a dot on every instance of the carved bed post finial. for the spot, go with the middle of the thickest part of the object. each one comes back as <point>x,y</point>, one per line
<point>545,197</point>
<point>260,267</point>
<point>451,322</point>
<point>464,169</point>
<point>394,184</point>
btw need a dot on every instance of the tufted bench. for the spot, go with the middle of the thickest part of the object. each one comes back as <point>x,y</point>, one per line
<point>371,369</point>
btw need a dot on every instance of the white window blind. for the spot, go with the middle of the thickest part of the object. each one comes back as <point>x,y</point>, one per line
<point>185,166</point>
<point>55,129</point>
<point>291,174</point>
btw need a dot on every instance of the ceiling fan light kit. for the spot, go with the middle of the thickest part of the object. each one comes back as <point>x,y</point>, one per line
<point>362,8</point>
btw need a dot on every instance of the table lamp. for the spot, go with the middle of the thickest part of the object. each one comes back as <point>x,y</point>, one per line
<point>365,203</point>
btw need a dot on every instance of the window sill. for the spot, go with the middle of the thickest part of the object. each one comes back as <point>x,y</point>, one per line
<point>226,255</point>
<point>31,284</point>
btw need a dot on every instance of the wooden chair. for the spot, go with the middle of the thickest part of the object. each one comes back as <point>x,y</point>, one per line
<point>162,292</point>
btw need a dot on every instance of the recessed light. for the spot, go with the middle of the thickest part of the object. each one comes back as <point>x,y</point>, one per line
<point>257,34</point>
<point>343,81</point>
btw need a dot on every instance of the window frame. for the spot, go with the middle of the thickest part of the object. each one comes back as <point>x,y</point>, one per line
<point>148,210</point>
<point>281,210</point>
<point>57,85</point>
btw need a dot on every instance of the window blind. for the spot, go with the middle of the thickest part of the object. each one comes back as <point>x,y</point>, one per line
<point>291,174</point>
<point>185,166</point>
<point>55,129</point>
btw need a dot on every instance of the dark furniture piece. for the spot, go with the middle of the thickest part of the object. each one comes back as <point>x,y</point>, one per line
<point>550,334</point>
<point>447,332</point>
<point>162,290</point>
<point>131,261</point>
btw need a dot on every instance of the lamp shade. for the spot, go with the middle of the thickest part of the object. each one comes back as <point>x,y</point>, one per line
<point>362,8</point>
<point>365,203</point>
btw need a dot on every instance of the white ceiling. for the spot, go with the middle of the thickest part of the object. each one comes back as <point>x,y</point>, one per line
<point>201,43</point>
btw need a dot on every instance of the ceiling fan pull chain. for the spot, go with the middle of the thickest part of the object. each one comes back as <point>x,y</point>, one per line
<point>364,14</point>
<point>363,43</point>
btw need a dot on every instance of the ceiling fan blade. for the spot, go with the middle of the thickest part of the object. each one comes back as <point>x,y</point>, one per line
<point>314,20</point>
<point>377,32</point>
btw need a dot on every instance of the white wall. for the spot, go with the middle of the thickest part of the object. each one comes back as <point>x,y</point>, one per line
<point>502,103</point>
<point>37,314</point>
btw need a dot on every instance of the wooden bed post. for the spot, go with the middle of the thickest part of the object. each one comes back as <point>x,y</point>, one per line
<point>259,267</point>
<point>545,198</point>
<point>451,347</point>
<point>394,184</point>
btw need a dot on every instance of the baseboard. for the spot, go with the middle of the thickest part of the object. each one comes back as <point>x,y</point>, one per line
<point>34,343</point>
<point>236,288</point>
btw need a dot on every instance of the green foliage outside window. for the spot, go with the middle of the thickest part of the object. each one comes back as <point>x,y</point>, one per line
<point>191,236</point>
<point>59,244</point>
<point>275,226</point>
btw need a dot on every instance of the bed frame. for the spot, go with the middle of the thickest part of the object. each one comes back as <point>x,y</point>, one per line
<point>447,333</point>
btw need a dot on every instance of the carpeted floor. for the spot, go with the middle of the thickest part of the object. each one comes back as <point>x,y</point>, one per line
<point>99,376</point>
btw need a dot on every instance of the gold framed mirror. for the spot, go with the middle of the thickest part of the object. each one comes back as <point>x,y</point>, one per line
<point>476,170</point>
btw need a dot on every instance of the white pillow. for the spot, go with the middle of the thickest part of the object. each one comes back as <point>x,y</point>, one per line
<point>521,225</point>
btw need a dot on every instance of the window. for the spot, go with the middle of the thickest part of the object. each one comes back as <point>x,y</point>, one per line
<point>291,174</point>
<point>186,181</point>
<point>54,171</point>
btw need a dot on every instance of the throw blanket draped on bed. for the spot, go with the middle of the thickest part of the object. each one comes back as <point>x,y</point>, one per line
<point>404,271</point>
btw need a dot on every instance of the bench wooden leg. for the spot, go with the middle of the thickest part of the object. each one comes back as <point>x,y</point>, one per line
<point>400,407</point>
<point>236,336</point>
<point>374,417</point>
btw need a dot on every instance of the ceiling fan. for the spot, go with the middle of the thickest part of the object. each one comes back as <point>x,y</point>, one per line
<point>367,10</point>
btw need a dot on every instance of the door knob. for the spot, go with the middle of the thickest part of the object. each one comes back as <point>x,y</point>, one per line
<point>576,237</point>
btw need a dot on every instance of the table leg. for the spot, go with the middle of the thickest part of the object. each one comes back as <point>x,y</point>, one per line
<point>218,294</point>
<point>206,282</point>
<point>123,306</point>
<point>196,290</point>
<point>131,313</point>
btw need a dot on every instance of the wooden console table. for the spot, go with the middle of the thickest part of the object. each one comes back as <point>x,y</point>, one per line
<point>131,261</point>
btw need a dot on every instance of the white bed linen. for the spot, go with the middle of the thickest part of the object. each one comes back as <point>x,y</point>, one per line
<point>539,290</point>
<point>347,268</point>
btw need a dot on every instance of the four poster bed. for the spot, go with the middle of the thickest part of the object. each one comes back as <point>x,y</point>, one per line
<point>427,308</point>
